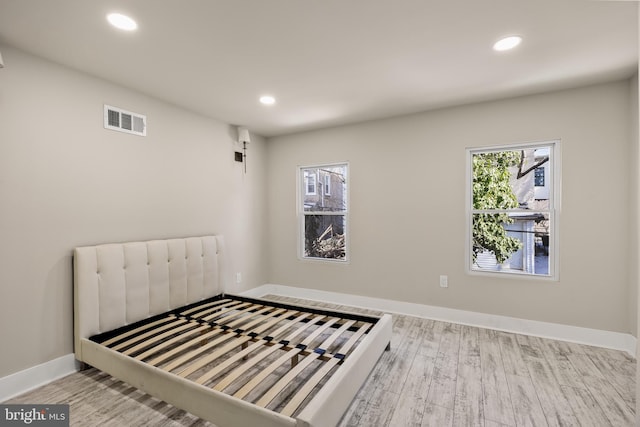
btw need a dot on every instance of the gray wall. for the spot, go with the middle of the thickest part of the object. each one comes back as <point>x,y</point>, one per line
<point>408,206</point>
<point>66,182</point>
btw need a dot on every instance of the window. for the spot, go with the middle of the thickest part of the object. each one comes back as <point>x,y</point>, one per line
<point>327,184</point>
<point>323,217</point>
<point>512,207</point>
<point>310,183</point>
<point>539,178</point>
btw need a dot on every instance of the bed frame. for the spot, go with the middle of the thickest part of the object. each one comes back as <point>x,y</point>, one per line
<point>154,314</point>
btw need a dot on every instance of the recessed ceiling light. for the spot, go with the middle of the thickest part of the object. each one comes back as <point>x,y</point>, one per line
<point>267,100</point>
<point>507,43</point>
<point>122,22</point>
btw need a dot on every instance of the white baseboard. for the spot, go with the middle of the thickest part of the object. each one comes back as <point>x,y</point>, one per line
<point>594,337</point>
<point>21,382</point>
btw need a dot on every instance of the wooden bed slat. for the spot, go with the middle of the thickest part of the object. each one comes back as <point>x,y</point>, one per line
<point>167,343</point>
<point>194,341</point>
<point>255,381</point>
<point>289,376</point>
<point>221,303</point>
<point>257,358</point>
<point>134,331</point>
<point>257,314</point>
<point>175,322</point>
<point>225,311</point>
<point>263,318</point>
<point>303,392</point>
<point>240,339</point>
<point>232,376</point>
<point>212,312</point>
<point>226,336</point>
<point>229,318</point>
<point>224,365</point>
<point>217,330</point>
<point>158,338</point>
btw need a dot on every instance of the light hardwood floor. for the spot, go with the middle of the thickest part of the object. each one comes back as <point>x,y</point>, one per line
<point>436,374</point>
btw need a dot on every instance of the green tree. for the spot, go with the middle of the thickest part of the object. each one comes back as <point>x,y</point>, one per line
<point>491,190</point>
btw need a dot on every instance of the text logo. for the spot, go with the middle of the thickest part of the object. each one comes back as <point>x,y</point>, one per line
<point>34,415</point>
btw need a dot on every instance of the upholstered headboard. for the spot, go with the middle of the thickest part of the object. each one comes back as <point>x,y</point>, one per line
<point>121,283</point>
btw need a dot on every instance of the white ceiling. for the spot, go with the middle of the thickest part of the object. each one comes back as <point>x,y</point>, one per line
<point>330,62</point>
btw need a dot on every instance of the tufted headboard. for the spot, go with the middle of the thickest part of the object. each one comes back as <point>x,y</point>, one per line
<point>120,283</point>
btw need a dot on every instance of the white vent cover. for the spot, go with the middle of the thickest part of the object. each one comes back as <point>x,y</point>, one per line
<point>124,121</point>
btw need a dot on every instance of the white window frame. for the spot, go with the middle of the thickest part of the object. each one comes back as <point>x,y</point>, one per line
<point>301,181</point>
<point>554,209</point>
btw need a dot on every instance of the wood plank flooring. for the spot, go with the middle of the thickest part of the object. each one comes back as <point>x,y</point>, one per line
<point>436,374</point>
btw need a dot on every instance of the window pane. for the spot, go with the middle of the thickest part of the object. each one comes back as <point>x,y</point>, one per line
<point>517,242</point>
<point>331,193</point>
<point>310,183</point>
<point>540,177</point>
<point>493,180</point>
<point>511,179</point>
<point>324,236</point>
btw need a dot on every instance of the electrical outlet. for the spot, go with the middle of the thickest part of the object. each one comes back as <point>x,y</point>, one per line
<point>444,282</point>
<point>238,278</point>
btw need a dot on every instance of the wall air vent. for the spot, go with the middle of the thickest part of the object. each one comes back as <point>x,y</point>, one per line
<point>124,121</point>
